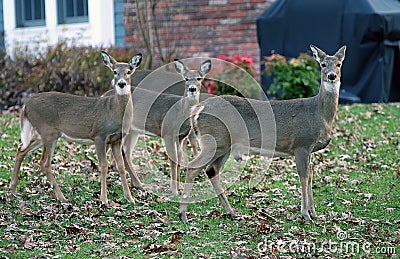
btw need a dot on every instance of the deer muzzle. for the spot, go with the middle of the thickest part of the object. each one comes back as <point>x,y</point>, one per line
<point>331,76</point>
<point>121,83</point>
<point>192,88</point>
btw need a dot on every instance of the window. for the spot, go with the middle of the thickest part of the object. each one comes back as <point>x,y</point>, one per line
<point>72,11</point>
<point>30,13</point>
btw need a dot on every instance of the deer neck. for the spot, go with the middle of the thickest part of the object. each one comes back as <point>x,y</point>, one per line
<point>124,107</point>
<point>328,98</point>
<point>188,102</point>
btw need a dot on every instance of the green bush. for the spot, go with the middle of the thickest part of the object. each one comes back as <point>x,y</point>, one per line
<point>64,68</point>
<point>296,78</point>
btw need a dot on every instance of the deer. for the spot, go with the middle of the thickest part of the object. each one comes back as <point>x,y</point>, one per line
<point>296,127</point>
<point>45,117</point>
<point>167,116</point>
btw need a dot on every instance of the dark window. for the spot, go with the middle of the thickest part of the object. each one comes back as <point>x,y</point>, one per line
<point>72,11</point>
<point>30,13</point>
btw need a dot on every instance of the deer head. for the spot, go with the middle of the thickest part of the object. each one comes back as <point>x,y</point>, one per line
<point>122,71</point>
<point>193,78</point>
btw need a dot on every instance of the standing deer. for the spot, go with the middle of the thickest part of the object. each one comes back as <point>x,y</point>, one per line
<point>167,115</point>
<point>46,117</point>
<point>296,127</point>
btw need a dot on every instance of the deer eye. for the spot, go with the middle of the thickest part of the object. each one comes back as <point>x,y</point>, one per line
<point>198,78</point>
<point>186,79</point>
<point>323,65</point>
<point>115,72</point>
<point>338,65</point>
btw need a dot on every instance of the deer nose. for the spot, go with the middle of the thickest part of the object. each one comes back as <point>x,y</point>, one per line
<point>192,89</point>
<point>331,76</point>
<point>121,84</point>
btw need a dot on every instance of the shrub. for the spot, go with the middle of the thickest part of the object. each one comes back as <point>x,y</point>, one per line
<point>296,78</point>
<point>73,69</point>
<point>245,63</point>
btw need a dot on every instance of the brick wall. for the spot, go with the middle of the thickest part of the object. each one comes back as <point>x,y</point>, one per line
<point>201,27</point>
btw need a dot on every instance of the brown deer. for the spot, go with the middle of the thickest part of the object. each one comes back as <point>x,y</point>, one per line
<point>46,117</point>
<point>296,127</point>
<point>166,115</point>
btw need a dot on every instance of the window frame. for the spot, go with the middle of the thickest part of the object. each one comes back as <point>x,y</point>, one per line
<point>20,14</point>
<point>63,18</point>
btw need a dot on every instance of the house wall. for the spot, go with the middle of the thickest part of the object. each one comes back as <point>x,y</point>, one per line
<point>202,27</point>
<point>99,31</point>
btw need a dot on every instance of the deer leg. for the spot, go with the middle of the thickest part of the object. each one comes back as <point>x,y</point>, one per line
<point>117,153</point>
<point>102,157</point>
<point>22,152</point>
<point>311,208</point>
<point>136,183</point>
<point>179,156</point>
<point>205,158</point>
<point>45,165</point>
<point>302,163</point>
<point>130,141</point>
<point>191,174</point>
<point>171,147</point>
<point>213,174</point>
<point>191,137</point>
<point>183,155</point>
<point>194,143</point>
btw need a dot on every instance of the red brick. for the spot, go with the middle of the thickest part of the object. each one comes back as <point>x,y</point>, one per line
<point>227,8</point>
<point>180,17</point>
<point>230,47</point>
<point>162,5</point>
<point>219,15</point>
<point>210,22</point>
<point>238,27</point>
<point>200,27</point>
<point>238,14</point>
<point>237,2</point>
<point>208,9</point>
<point>192,23</point>
<point>248,46</point>
<point>228,34</point>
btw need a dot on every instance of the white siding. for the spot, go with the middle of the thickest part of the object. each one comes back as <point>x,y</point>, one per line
<point>99,31</point>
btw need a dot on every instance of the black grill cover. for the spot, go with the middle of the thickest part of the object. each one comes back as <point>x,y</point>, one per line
<point>369,28</point>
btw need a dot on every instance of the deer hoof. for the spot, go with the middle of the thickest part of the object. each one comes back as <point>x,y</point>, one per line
<point>182,217</point>
<point>60,197</point>
<point>233,215</point>
<point>104,202</point>
<point>306,218</point>
<point>313,215</point>
<point>130,199</point>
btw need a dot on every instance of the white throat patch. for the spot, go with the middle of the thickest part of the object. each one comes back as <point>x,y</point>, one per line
<point>332,87</point>
<point>123,91</point>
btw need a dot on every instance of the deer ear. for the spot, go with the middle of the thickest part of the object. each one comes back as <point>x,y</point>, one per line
<point>205,67</point>
<point>180,67</point>
<point>108,60</point>
<point>317,53</point>
<point>340,54</point>
<point>135,61</point>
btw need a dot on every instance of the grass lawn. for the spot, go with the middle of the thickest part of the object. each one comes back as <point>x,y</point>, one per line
<point>356,190</point>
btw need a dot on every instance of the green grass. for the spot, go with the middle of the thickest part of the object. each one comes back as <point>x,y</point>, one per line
<point>356,190</point>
